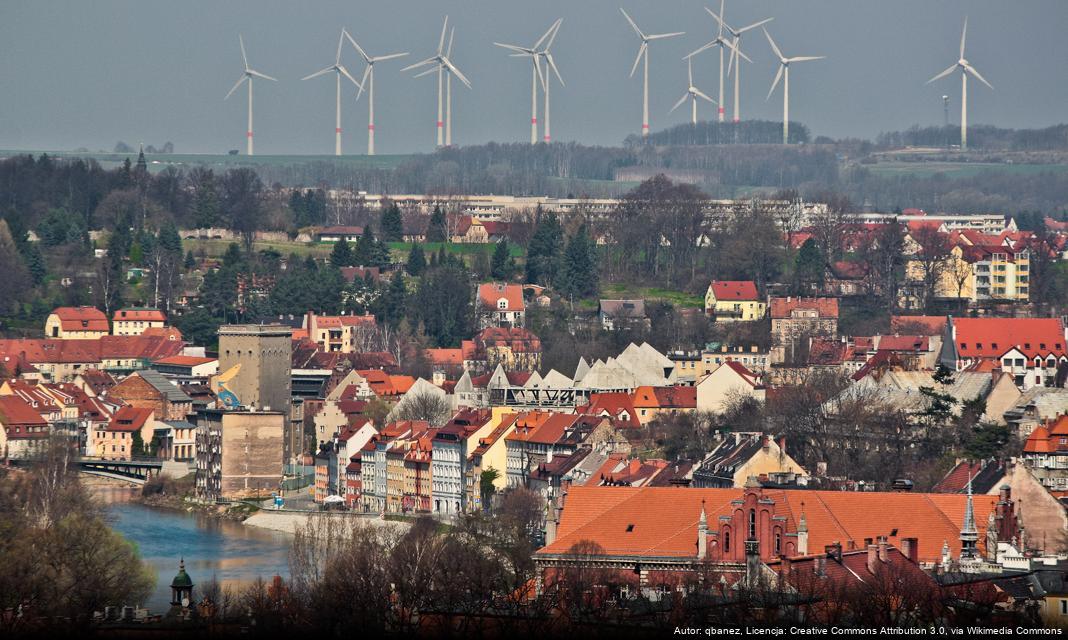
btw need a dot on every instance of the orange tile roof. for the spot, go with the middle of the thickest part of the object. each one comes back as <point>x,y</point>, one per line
<point>665,519</point>
<point>144,315</point>
<point>185,361</point>
<point>734,290</point>
<point>81,319</point>
<point>1047,438</point>
<point>782,307</point>
<point>129,418</point>
<point>614,404</point>
<point>16,411</point>
<point>993,337</point>
<point>490,292</point>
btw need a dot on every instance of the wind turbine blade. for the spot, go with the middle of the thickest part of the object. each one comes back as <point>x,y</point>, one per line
<point>340,41</point>
<point>805,58</point>
<point>236,85</point>
<point>633,26</point>
<point>722,25</point>
<point>970,69</point>
<point>732,59</point>
<point>448,50</point>
<point>702,49</point>
<point>363,80</point>
<point>699,94</point>
<point>556,30</point>
<point>754,25</point>
<point>660,36</point>
<point>419,64</point>
<point>641,50</point>
<point>512,47</point>
<point>318,73</point>
<point>389,57</point>
<point>241,41</point>
<point>261,75</point>
<point>356,46</point>
<point>963,34</point>
<point>441,40</point>
<point>738,50</point>
<point>345,72</point>
<point>775,83</point>
<point>945,73</point>
<point>722,6</point>
<point>456,72</point>
<point>549,59</point>
<point>774,47</point>
<point>425,73</point>
<point>689,72</point>
<point>545,36</point>
<point>679,103</point>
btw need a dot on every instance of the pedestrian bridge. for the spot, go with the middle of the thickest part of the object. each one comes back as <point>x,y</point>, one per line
<point>135,471</point>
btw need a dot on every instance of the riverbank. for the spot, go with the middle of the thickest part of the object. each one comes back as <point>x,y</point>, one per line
<point>291,522</point>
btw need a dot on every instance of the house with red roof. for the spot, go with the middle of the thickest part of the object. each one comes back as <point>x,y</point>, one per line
<point>796,318</point>
<point>617,406</point>
<point>133,321</point>
<point>1034,351</point>
<point>22,428</point>
<point>344,333</point>
<point>734,301</point>
<point>730,382</point>
<point>118,440</point>
<point>649,402</point>
<point>76,322</point>
<point>501,305</point>
<point>451,447</point>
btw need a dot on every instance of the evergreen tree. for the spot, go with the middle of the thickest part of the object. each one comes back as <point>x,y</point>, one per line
<point>233,256</point>
<point>443,304</point>
<point>503,265</point>
<point>481,264</point>
<point>389,307</point>
<point>392,224</point>
<point>436,231</point>
<point>809,265</point>
<point>190,261</point>
<point>169,239</point>
<point>296,207</point>
<point>544,251</point>
<point>205,198</point>
<point>577,275</point>
<point>416,261</point>
<point>341,255</point>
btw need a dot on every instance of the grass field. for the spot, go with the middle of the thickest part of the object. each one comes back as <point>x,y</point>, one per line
<point>678,298</point>
<point>959,169</point>
<point>216,248</point>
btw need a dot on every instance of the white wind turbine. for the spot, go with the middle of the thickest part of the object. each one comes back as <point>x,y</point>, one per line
<point>693,93</point>
<point>784,73</point>
<point>965,68</point>
<point>550,64</point>
<point>368,81</point>
<point>719,42</point>
<point>444,67</point>
<point>247,75</point>
<point>536,76</point>
<point>736,50</point>
<point>339,70</point>
<point>643,53</point>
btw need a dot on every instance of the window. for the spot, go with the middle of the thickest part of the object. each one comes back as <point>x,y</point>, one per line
<point>726,540</point>
<point>752,524</point>
<point>1064,607</point>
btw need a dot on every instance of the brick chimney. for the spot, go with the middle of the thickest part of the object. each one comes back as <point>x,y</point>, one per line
<point>883,546</point>
<point>873,558</point>
<point>834,551</point>
<point>910,548</point>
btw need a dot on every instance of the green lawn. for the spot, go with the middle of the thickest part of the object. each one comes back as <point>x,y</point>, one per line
<point>216,248</point>
<point>402,248</point>
<point>620,290</point>
<point>959,169</point>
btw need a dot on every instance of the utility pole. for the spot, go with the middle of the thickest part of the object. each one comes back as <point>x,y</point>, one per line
<point>945,118</point>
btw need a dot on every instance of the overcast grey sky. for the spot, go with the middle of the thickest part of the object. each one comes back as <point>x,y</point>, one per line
<point>76,74</point>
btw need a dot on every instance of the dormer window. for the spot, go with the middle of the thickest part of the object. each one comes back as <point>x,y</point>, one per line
<point>502,304</point>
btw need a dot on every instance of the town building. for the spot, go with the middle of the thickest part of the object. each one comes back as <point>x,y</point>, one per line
<point>254,366</point>
<point>1031,350</point>
<point>133,321</point>
<point>184,369</point>
<point>452,445</point>
<point>622,314</point>
<point>741,456</point>
<point>734,301</point>
<point>730,382</point>
<point>344,333</point>
<point>23,430</point>
<point>794,319</point>
<point>70,323</point>
<point>501,305</point>
<point>239,453</point>
<point>148,388</point>
<point>128,435</point>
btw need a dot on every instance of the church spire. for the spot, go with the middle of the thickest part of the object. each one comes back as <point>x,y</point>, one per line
<point>142,164</point>
<point>969,535</point>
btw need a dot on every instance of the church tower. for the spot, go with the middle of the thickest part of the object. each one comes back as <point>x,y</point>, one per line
<point>181,587</point>
<point>969,535</point>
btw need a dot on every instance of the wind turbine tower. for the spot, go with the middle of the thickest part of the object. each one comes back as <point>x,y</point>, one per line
<point>721,43</point>
<point>965,69</point>
<point>368,82</point>
<point>693,93</point>
<point>536,77</point>
<point>736,50</point>
<point>247,76</point>
<point>643,56</point>
<point>784,73</point>
<point>445,70</point>
<point>339,70</point>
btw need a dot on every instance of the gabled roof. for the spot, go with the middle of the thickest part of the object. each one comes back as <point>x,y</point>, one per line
<point>984,476</point>
<point>16,411</point>
<point>616,405</point>
<point>746,375</point>
<point>489,293</point>
<point>141,314</point>
<point>81,319</point>
<point>734,290</point>
<point>185,361</point>
<point>783,307</point>
<point>161,383</point>
<point>129,418</point>
<point>1047,438</point>
<point>993,337</point>
<point>623,308</point>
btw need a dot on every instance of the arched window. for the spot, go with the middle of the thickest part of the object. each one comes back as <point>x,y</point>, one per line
<point>726,540</point>
<point>778,542</point>
<point>752,524</point>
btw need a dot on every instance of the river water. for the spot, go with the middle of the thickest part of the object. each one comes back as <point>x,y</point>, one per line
<point>227,551</point>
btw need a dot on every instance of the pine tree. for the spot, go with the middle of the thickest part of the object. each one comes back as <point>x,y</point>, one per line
<point>190,261</point>
<point>416,261</point>
<point>436,230</point>
<point>577,275</point>
<point>503,265</point>
<point>297,208</point>
<point>809,264</point>
<point>543,254</point>
<point>392,224</point>
<point>169,239</point>
<point>341,255</point>
<point>481,265</point>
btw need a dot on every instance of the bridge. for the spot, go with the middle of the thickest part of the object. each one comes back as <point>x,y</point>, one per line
<point>136,471</point>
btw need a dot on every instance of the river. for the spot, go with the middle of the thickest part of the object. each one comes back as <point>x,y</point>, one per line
<point>227,551</point>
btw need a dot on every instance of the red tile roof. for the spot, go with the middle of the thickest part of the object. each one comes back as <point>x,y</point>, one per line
<point>734,289</point>
<point>662,521</point>
<point>489,293</point>
<point>782,307</point>
<point>143,315</point>
<point>616,405</point>
<point>81,319</point>
<point>129,419</point>
<point>185,361</point>
<point>16,411</point>
<point>993,337</point>
<point>1047,438</point>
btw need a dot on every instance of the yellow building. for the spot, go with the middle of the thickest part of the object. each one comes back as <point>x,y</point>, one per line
<point>76,322</point>
<point>746,455</point>
<point>978,272</point>
<point>734,301</point>
<point>134,321</point>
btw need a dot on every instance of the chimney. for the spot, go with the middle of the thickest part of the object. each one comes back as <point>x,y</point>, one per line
<point>883,555</point>
<point>873,558</point>
<point>834,551</point>
<point>910,547</point>
<point>782,446</point>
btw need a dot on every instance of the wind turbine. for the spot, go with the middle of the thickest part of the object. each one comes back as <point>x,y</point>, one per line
<point>536,76</point>
<point>247,75</point>
<point>693,93</point>
<point>784,73</point>
<point>720,42</point>
<point>550,64</point>
<point>368,81</point>
<point>444,67</point>
<point>339,70</point>
<point>643,53</point>
<point>736,50</point>
<point>965,68</point>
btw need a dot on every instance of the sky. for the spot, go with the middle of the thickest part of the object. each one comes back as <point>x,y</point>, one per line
<point>87,74</point>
